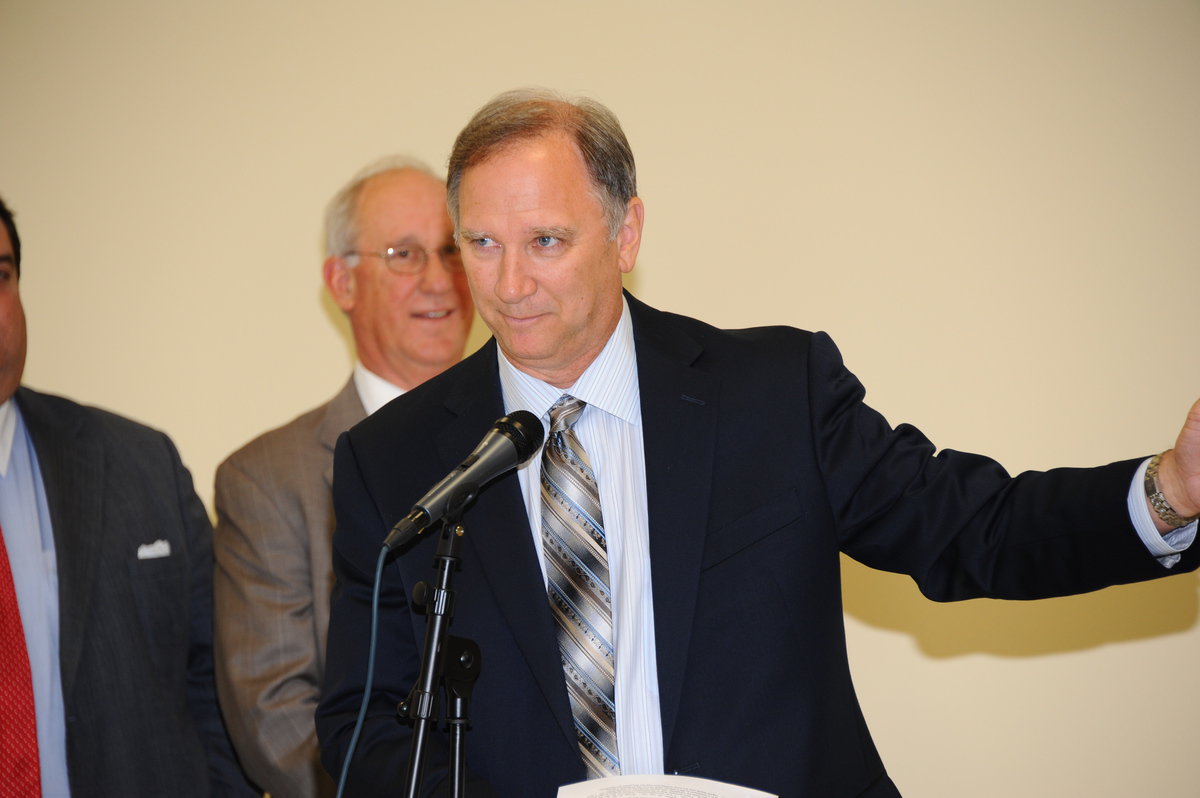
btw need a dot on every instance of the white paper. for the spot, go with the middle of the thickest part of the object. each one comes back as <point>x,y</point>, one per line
<point>657,787</point>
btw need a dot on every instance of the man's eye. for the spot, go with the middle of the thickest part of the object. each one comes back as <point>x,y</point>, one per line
<point>400,253</point>
<point>547,241</point>
<point>483,242</point>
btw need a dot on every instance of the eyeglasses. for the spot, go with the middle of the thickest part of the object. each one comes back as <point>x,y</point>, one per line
<point>412,259</point>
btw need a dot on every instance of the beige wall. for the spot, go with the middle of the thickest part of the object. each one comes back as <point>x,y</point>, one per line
<point>992,206</point>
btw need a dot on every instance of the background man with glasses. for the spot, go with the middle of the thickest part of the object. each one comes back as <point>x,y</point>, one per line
<point>394,269</point>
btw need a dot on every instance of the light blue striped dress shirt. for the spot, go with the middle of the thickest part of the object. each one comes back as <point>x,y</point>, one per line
<point>610,429</point>
<point>29,538</point>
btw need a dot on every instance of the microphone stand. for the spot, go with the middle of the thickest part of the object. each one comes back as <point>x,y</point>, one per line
<point>447,662</point>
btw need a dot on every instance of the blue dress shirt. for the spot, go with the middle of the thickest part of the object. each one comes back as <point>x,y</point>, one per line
<point>29,538</point>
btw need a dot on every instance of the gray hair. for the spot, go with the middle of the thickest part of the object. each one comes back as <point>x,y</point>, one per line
<point>528,113</point>
<point>341,215</point>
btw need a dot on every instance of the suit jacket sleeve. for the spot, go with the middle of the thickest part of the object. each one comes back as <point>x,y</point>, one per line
<point>957,522</point>
<point>268,674</point>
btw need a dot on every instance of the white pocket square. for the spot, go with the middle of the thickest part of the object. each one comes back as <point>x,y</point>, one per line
<point>155,550</point>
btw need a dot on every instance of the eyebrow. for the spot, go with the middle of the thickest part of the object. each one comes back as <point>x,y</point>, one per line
<point>556,232</point>
<point>534,232</point>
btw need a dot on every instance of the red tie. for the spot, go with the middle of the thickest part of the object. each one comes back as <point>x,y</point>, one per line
<point>19,770</point>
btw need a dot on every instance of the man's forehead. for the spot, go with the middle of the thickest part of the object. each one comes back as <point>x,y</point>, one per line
<point>400,188</point>
<point>404,205</point>
<point>554,150</point>
<point>543,183</point>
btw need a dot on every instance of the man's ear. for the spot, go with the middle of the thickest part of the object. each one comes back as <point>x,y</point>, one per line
<point>339,281</point>
<point>629,236</point>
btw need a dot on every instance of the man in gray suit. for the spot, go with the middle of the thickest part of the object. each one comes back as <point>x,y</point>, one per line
<point>107,663</point>
<point>394,269</point>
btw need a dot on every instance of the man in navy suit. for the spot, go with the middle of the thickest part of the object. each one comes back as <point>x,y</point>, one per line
<point>732,468</point>
<point>111,559</point>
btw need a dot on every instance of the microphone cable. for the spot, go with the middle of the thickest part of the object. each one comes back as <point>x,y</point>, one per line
<point>362,710</point>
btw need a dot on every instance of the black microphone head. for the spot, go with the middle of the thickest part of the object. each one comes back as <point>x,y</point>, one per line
<point>524,429</point>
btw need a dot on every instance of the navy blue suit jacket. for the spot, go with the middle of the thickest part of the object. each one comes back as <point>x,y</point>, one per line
<point>763,463</point>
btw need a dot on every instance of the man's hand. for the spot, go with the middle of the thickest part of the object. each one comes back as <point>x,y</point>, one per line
<point>1179,471</point>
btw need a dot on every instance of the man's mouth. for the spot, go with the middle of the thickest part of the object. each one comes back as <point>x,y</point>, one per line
<point>522,319</point>
<point>433,314</point>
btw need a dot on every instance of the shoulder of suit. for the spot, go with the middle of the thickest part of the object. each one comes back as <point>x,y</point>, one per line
<point>651,324</point>
<point>300,431</point>
<point>44,408</point>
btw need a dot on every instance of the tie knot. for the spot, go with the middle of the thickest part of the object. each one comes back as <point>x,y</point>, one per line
<point>565,413</point>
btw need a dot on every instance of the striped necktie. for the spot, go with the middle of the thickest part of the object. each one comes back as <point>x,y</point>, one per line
<point>20,773</point>
<point>577,573</point>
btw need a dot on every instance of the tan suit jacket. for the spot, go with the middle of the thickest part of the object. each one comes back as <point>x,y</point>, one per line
<point>271,594</point>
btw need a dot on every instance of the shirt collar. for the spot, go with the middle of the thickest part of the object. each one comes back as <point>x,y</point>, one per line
<point>610,382</point>
<point>373,390</point>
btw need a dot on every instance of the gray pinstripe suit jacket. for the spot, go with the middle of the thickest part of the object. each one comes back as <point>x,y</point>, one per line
<point>273,577</point>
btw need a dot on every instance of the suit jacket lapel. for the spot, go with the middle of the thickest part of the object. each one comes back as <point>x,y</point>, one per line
<point>72,468</point>
<point>499,542</point>
<point>343,412</point>
<point>679,422</point>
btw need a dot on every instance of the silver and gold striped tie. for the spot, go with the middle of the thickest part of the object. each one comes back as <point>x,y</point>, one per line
<point>577,573</point>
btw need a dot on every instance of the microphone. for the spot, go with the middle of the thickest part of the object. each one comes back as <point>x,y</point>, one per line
<point>511,441</point>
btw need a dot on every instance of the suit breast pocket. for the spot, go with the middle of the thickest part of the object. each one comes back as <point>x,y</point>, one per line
<point>753,528</point>
<point>159,595</point>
